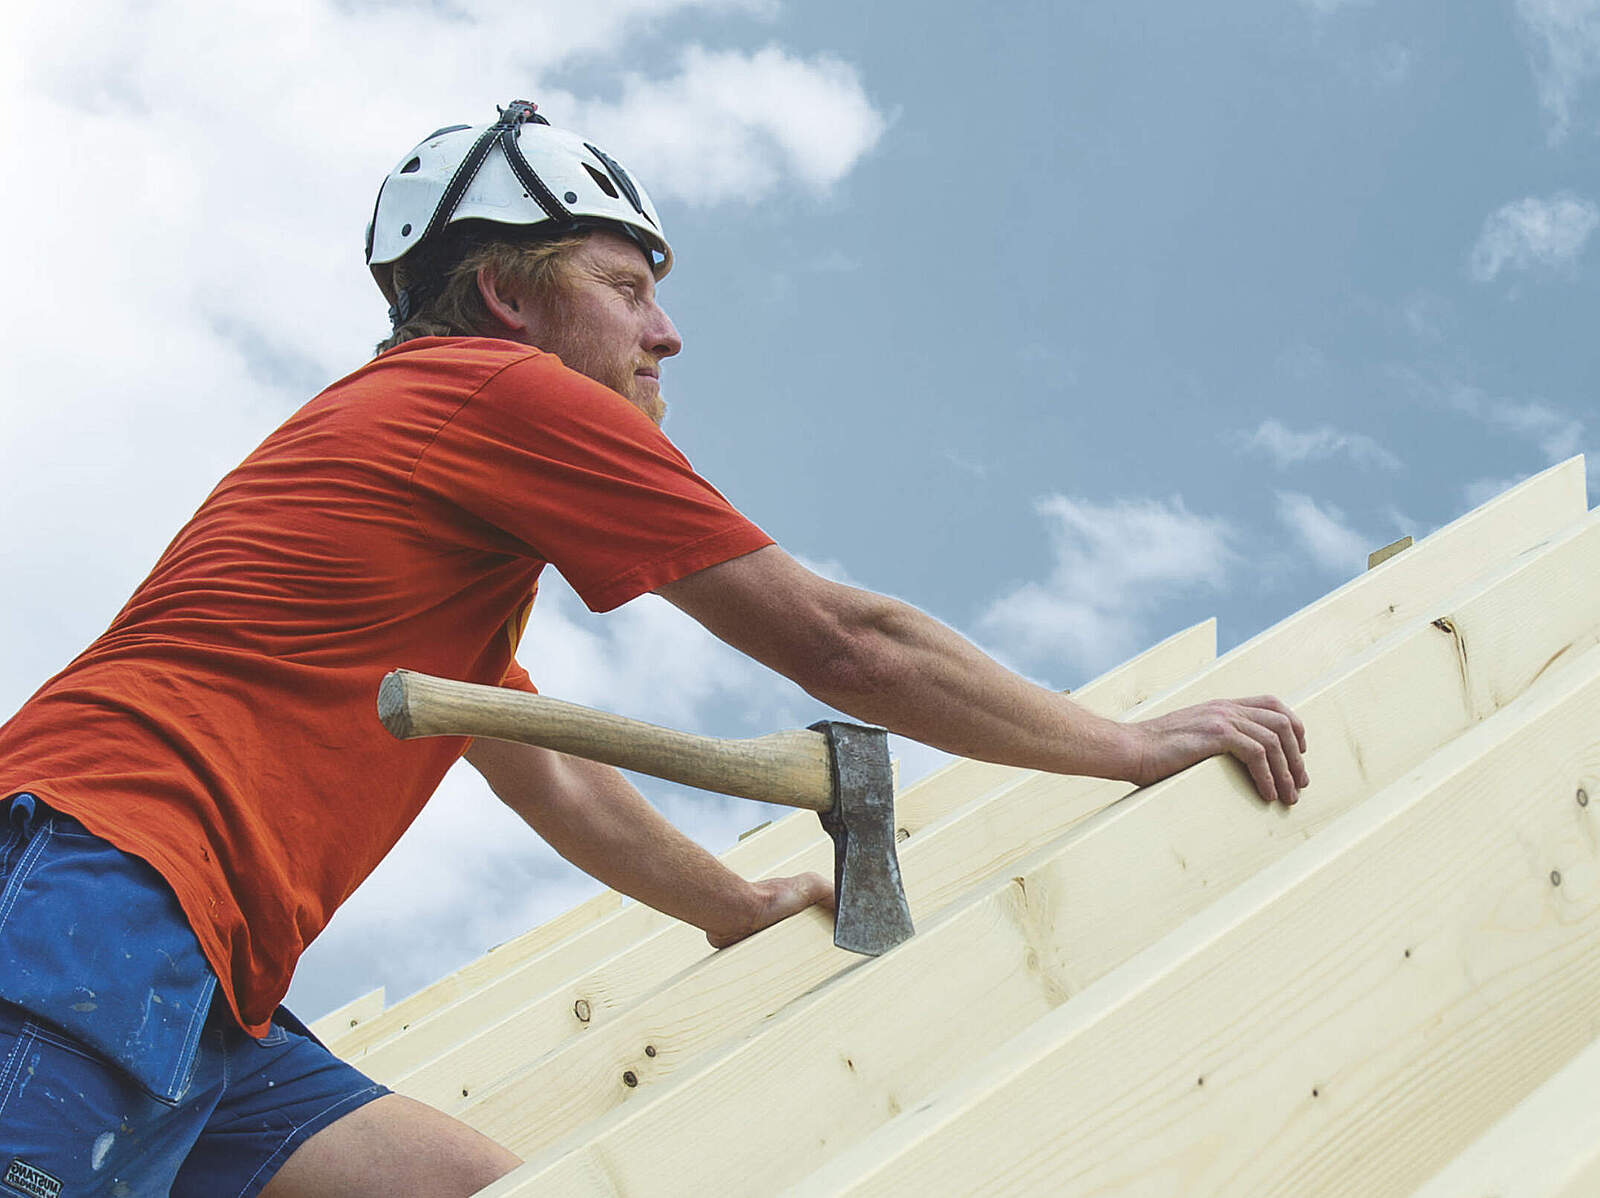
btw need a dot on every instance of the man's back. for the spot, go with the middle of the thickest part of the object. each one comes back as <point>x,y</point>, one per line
<point>223,727</point>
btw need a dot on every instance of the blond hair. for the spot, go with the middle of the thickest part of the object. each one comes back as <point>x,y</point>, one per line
<point>448,279</point>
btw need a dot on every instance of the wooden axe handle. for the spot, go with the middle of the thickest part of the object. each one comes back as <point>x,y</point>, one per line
<point>792,768</point>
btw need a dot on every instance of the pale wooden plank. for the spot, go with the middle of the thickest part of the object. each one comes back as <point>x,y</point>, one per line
<point>1520,518</point>
<point>341,1019</point>
<point>1378,556</point>
<point>1584,1179</point>
<point>950,857</point>
<point>1547,1145</point>
<point>1346,1021</point>
<point>1117,883</point>
<point>498,961</point>
<point>582,981</point>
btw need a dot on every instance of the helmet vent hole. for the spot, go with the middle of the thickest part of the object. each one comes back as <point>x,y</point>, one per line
<point>411,167</point>
<point>601,181</point>
<point>405,230</point>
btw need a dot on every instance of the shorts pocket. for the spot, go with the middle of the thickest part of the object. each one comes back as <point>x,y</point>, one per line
<point>70,1122</point>
<point>275,1036</point>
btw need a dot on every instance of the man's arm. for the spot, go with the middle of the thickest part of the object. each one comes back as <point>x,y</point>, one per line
<point>592,816</point>
<point>885,662</point>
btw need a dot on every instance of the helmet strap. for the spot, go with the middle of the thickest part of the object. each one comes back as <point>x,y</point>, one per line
<point>407,302</point>
<point>504,131</point>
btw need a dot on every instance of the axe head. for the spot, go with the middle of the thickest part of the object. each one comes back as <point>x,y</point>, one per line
<point>871,915</point>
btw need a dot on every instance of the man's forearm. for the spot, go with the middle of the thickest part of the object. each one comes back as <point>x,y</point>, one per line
<point>884,661</point>
<point>925,681</point>
<point>597,819</point>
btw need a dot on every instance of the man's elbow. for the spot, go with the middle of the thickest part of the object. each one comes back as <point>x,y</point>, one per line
<point>854,662</point>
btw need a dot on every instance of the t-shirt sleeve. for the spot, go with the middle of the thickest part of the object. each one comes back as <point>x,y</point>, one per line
<point>517,679</point>
<point>546,462</point>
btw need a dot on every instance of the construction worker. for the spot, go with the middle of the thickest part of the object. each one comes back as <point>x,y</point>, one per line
<point>186,804</point>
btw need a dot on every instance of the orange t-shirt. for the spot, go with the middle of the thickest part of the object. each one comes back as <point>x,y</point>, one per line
<point>225,728</point>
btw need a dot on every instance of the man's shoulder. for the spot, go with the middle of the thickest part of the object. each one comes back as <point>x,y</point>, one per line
<point>426,372</point>
<point>470,365</point>
<point>478,386</point>
<point>445,355</point>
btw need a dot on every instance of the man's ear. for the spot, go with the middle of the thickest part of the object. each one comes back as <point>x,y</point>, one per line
<point>505,306</point>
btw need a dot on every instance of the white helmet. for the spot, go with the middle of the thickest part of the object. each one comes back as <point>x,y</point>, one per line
<point>517,171</point>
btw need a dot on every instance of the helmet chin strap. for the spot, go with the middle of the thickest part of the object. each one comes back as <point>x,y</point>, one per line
<point>406,301</point>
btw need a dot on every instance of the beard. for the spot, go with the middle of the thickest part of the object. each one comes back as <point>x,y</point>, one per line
<point>645,394</point>
<point>622,377</point>
<point>580,351</point>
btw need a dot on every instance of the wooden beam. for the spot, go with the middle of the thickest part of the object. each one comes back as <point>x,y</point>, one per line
<point>1028,941</point>
<point>635,947</point>
<point>1546,1147</point>
<point>1378,556</point>
<point>1583,1181</point>
<point>612,927</point>
<point>1516,520</point>
<point>1348,1020</point>
<point>1295,650</point>
<point>341,1019</point>
<point>356,1042</point>
<point>1348,619</point>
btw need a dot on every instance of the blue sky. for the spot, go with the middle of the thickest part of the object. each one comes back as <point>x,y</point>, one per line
<point>1071,327</point>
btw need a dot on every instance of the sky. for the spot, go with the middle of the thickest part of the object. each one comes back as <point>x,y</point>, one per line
<point>1070,324</point>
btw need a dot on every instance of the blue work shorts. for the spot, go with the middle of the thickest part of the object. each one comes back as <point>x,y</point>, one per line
<point>122,1070</point>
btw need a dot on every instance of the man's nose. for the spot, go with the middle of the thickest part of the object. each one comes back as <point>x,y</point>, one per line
<point>661,338</point>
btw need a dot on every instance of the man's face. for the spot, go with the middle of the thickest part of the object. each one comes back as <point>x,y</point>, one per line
<point>604,322</point>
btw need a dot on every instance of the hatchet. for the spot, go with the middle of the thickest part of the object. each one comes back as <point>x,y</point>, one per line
<point>839,770</point>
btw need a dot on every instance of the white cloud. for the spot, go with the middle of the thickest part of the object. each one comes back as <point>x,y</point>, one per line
<point>1426,315</point>
<point>736,126</point>
<point>1288,447</point>
<point>225,158</point>
<point>1533,232</point>
<point>1331,543</point>
<point>1113,565</point>
<point>1563,38</point>
<point>1388,66</point>
<point>199,179</point>
<point>966,465</point>
<point>1480,490</point>
<point>1515,425</point>
<point>1556,434</point>
<point>1328,7</point>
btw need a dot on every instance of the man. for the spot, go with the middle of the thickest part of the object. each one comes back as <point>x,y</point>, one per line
<point>188,801</point>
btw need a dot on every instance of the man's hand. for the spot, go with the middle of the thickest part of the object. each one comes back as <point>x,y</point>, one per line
<point>777,899</point>
<point>1262,733</point>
